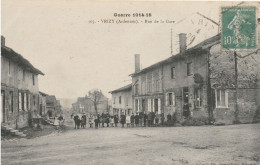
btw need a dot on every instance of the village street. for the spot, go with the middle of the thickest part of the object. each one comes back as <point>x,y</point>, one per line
<point>168,145</point>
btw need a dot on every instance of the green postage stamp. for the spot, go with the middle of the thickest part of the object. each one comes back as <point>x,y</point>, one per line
<point>239,29</point>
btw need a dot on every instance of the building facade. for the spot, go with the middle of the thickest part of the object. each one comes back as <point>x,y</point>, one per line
<point>122,100</point>
<point>20,97</point>
<point>200,79</point>
<point>53,106</point>
<point>86,105</point>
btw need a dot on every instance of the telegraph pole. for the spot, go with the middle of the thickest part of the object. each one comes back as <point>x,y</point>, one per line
<point>236,88</point>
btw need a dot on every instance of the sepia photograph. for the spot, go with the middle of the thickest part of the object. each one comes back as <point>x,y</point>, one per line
<point>130,82</point>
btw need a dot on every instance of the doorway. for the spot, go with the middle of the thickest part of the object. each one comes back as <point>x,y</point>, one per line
<point>186,111</point>
<point>2,106</point>
<point>155,105</point>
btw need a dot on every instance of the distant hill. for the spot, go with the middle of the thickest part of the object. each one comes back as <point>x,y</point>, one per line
<point>66,102</point>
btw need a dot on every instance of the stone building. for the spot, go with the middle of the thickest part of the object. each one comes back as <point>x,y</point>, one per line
<point>19,88</point>
<point>53,106</point>
<point>196,78</point>
<point>122,100</point>
<point>86,105</point>
<point>43,104</point>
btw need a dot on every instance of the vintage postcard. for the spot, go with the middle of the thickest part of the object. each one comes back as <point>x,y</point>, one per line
<point>112,82</point>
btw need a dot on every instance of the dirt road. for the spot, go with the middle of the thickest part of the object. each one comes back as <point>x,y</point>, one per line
<point>211,145</point>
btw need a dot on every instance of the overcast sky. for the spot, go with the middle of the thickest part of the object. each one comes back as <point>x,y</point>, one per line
<point>76,56</point>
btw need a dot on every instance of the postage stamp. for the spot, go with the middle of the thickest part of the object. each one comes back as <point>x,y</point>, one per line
<point>238,27</point>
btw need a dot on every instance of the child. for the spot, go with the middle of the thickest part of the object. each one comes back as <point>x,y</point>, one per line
<point>111,120</point>
<point>128,121</point>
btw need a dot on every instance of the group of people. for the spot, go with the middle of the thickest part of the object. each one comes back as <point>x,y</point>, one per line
<point>135,120</point>
<point>58,121</point>
<point>80,120</point>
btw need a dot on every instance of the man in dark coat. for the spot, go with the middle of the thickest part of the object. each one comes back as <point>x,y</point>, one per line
<point>83,121</point>
<point>98,119</point>
<point>132,120</point>
<point>107,119</point>
<point>136,120</point>
<point>145,119</point>
<point>149,118</point>
<point>76,118</point>
<point>123,117</point>
<point>116,120</point>
<point>153,117</point>
<point>103,118</point>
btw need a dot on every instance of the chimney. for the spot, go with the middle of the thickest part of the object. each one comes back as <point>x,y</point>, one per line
<point>137,63</point>
<point>182,40</point>
<point>3,40</point>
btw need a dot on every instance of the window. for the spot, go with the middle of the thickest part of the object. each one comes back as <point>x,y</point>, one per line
<point>173,73</point>
<point>126,101</point>
<point>11,99</point>
<point>22,95</point>
<point>119,99</point>
<point>188,69</point>
<point>33,79</point>
<point>136,105</point>
<point>136,89</point>
<point>34,101</point>
<point>221,98</point>
<point>9,67</point>
<point>170,99</point>
<point>114,100</point>
<point>20,102</point>
<point>198,97</point>
<point>149,87</point>
<point>23,75</point>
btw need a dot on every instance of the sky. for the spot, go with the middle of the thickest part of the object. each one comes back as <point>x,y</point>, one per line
<point>77,56</point>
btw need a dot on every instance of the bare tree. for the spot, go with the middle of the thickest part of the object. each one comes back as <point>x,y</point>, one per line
<point>95,96</point>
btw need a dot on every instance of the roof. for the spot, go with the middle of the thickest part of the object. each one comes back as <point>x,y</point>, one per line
<point>197,49</point>
<point>124,88</point>
<point>43,94</point>
<point>19,59</point>
<point>50,99</point>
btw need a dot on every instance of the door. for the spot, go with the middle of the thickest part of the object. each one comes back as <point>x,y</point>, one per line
<point>185,107</point>
<point>155,105</point>
<point>2,106</point>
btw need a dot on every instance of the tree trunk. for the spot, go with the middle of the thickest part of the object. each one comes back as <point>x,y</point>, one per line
<point>96,108</point>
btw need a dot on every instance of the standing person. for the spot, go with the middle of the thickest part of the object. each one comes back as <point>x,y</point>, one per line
<point>116,120</point>
<point>153,117</point>
<point>149,118</point>
<point>186,110</point>
<point>107,119</point>
<point>162,119</point>
<point>76,118</point>
<point>123,120</point>
<point>79,121</point>
<point>103,118</point>
<point>145,119</point>
<point>61,120</point>
<point>132,120</point>
<point>83,121</point>
<point>90,121</point>
<point>56,122</point>
<point>99,119</point>
<point>157,116</point>
<point>169,118</point>
<point>128,121</point>
<point>111,120</point>
<point>137,120</point>
<point>141,119</point>
<point>96,122</point>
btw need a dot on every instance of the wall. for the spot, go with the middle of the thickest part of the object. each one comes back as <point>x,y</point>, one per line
<point>175,85</point>
<point>126,100</point>
<point>13,82</point>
